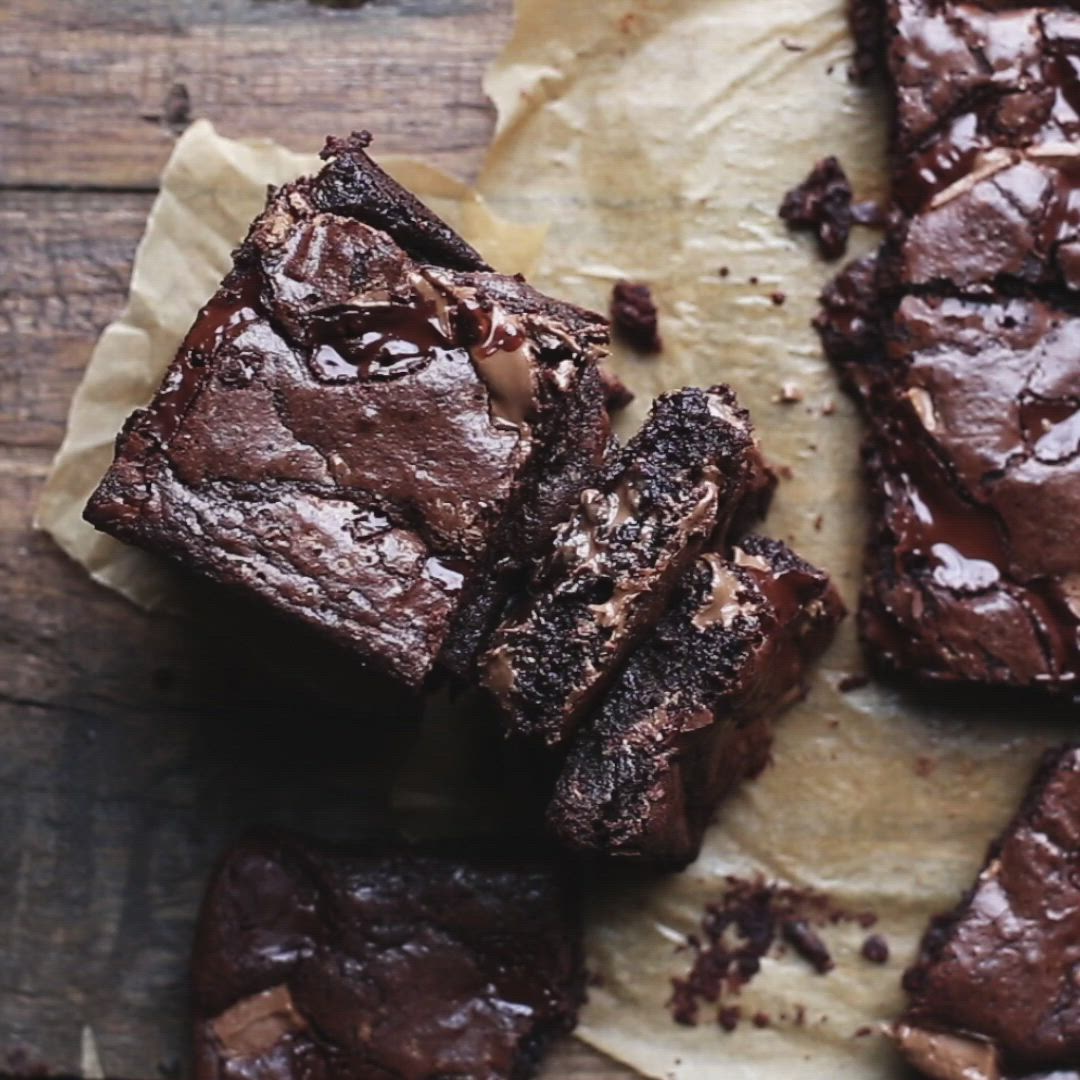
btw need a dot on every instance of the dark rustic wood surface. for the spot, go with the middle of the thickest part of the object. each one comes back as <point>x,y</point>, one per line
<point>133,747</point>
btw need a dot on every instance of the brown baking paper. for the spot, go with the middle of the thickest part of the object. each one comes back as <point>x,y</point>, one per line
<point>211,189</point>
<point>657,139</point>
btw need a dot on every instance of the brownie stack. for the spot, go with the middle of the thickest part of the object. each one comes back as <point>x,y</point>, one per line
<point>960,341</point>
<point>375,433</point>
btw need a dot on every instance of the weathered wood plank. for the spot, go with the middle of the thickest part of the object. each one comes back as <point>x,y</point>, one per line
<point>132,748</point>
<point>79,80</point>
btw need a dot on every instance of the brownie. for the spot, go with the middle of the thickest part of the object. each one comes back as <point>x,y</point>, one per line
<point>973,410</point>
<point>616,559</point>
<point>994,990</point>
<point>821,204</point>
<point>689,715</point>
<point>365,427</point>
<point>309,963</point>
<point>971,77</point>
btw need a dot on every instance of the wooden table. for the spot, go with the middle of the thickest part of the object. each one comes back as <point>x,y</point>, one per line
<point>132,747</point>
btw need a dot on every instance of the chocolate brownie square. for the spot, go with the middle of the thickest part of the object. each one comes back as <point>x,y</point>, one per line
<point>366,427</point>
<point>971,453</point>
<point>994,990</point>
<point>615,562</point>
<point>689,716</point>
<point>310,963</point>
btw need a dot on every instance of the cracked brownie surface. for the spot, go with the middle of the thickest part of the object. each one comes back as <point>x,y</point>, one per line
<point>994,990</point>
<point>616,560</point>
<point>689,715</point>
<point>365,426</point>
<point>317,964</point>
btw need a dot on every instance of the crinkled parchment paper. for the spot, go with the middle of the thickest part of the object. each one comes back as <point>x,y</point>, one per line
<point>211,190</point>
<point>655,139</point>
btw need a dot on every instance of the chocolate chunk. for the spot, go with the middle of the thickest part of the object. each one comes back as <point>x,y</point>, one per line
<point>806,941</point>
<point>365,428</point>
<point>309,962</point>
<point>821,204</point>
<point>688,717</point>
<point>995,988</point>
<point>615,562</point>
<point>634,317</point>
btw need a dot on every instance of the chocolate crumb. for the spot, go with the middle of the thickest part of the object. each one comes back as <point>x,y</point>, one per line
<point>855,681</point>
<point>793,46</point>
<point>866,919</point>
<point>924,766</point>
<point>805,941</point>
<point>729,1016</point>
<point>724,271</point>
<point>778,298</point>
<point>821,204</point>
<point>818,522</point>
<point>617,395</point>
<point>752,279</point>
<point>800,1015</point>
<point>863,1032</point>
<point>876,949</point>
<point>762,1020</point>
<point>634,316</point>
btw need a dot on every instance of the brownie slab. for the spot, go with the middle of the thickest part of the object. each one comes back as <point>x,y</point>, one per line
<point>994,989</point>
<point>689,716</point>
<point>365,427</point>
<point>313,964</point>
<point>973,412</point>
<point>616,560</point>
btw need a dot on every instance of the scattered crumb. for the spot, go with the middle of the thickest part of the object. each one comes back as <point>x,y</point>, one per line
<point>790,394</point>
<point>924,766</point>
<point>818,522</point>
<point>617,395</point>
<point>875,949</point>
<point>724,271</point>
<point>866,919</point>
<point>175,111</point>
<point>634,316</point>
<point>821,204</point>
<point>808,944</point>
<point>793,46</point>
<point>762,1020</point>
<point>729,1016</point>
<point>800,1015</point>
<point>863,1032</point>
<point>854,681</point>
<point>778,298</point>
<point>753,279</point>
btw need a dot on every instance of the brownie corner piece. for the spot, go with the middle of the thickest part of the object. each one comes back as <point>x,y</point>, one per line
<point>615,560</point>
<point>313,963</point>
<point>994,989</point>
<point>690,714</point>
<point>364,424</point>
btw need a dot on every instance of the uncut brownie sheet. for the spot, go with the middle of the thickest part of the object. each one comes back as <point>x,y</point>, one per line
<point>365,427</point>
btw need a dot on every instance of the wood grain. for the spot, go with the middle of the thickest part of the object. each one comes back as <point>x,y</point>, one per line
<point>132,749</point>
<point>81,82</point>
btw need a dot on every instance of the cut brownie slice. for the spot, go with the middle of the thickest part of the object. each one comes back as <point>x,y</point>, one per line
<point>689,716</point>
<point>973,456</point>
<point>616,560</point>
<point>365,426</point>
<point>970,76</point>
<point>995,990</point>
<point>309,963</point>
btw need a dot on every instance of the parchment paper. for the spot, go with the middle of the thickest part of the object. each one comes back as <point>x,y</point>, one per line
<point>656,140</point>
<point>211,189</point>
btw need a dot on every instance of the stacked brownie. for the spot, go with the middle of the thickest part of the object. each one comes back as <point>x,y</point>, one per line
<point>960,342</point>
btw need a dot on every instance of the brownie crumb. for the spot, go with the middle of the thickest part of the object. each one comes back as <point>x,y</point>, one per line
<point>729,1016</point>
<point>818,522</point>
<point>617,395</point>
<point>778,298</point>
<point>634,316</point>
<point>753,279</point>
<point>802,937</point>
<point>863,1032</point>
<point>762,1020</point>
<point>821,204</point>
<point>800,1015</point>
<point>875,949</point>
<point>924,766</point>
<point>855,681</point>
<point>724,271</point>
